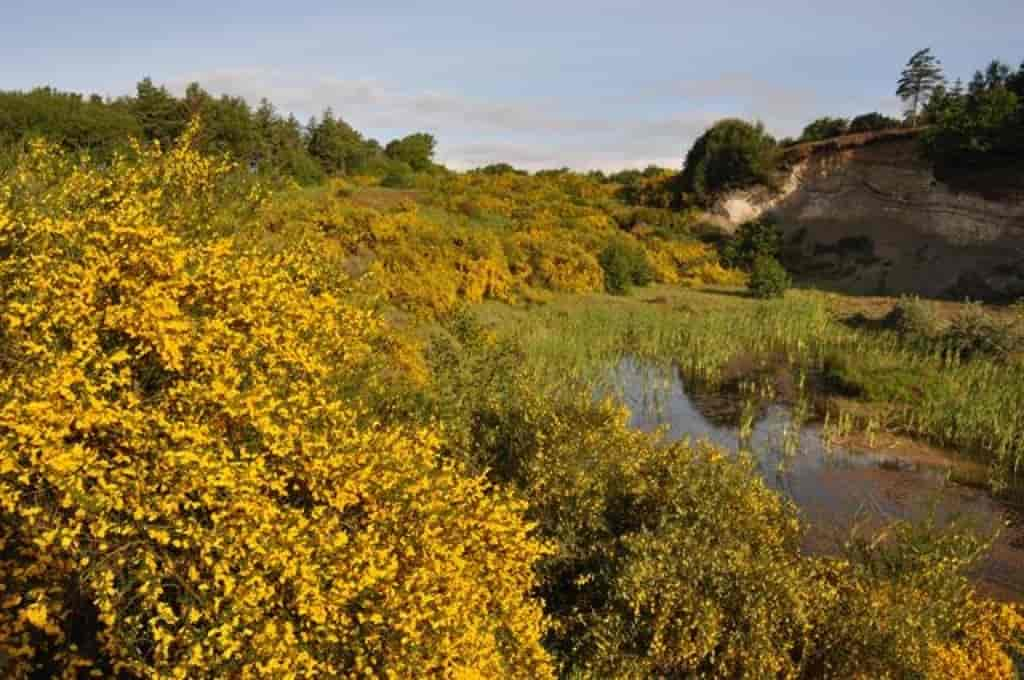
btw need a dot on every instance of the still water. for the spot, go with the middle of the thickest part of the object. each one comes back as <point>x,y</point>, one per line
<point>834,487</point>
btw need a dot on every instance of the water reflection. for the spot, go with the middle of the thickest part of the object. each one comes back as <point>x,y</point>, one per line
<point>832,486</point>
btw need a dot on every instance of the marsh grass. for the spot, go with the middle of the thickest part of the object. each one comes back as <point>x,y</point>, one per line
<point>872,380</point>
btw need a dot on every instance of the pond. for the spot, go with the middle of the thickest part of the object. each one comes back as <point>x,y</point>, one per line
<point>834,487</point>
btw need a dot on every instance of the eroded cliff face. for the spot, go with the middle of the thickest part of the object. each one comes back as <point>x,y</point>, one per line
<point>874,218</point>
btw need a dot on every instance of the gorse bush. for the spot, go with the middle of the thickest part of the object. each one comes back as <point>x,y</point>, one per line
<point>481,236</point>
<point>218,460</point>
<point>768,278</point>
<point>183,490</point>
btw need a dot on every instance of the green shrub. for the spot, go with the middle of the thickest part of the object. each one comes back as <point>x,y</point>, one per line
<point>824,128</point>
<point>768,279</point>
<point>398,180</point>
<point>731,154</point>
<point>914,318</point>
<point>658,221</point>
<point>872,122</point>
<point>624,265</point>
<point>757,238</point>
<point>975,332</point>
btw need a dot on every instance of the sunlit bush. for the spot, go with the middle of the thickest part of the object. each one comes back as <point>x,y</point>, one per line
<point>678,561</point>
<point>184,489</point>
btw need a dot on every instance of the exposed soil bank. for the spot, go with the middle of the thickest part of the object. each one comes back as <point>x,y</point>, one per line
<point>876,218</point>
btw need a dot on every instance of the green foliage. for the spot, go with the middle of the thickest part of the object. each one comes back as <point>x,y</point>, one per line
<point>624,265</point>
<point>824,128</point>
<point>338,147</point>
<point>399,178</point>
<point>920,78</point>
<point>731,154</point>
<point>163,117</point>
<point>872,122</point>
<point>276,147</point>
<point>983,127</point>
<point>974,332</point>
<point>768,278</point>
<point>75,122</point>
<point>500,169</point>
<point>282,147</point>
<point>753,239</point>
<point>657,221</point>
<point>416,150</point>
<point>915,319</point>
<point>653,188</point>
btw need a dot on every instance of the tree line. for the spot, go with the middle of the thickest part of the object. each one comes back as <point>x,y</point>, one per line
<point>261,137</point>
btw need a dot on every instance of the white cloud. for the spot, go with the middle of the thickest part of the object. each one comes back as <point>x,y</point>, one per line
<point>471,131</point>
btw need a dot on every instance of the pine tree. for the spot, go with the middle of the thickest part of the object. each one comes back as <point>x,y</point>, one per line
<point>918,81</point>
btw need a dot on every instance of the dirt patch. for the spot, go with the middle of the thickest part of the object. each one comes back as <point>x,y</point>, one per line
<point>383,199</point>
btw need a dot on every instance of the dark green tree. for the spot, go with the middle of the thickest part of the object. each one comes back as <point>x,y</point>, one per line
<point>872,122</point>
<point>417,150</point>
<point>824,128</point>
<point>732,153</point>
<point>228,124</point>
<point>768,278</point>
<point>282,147</point>
<point>982,127</point>
<point>336,145</point>
<point>920,77</point>
<point>75,122</point>
<point>161,116</point>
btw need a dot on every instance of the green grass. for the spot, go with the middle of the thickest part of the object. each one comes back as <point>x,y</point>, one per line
<point>876,378</point>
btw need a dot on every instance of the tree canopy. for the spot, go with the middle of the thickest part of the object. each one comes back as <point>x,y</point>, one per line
<point>824,128</point>
<point>872,122</point>
<point>732,153</point>
<point>417,150</point>
<point>260,138</point>
<point>982,126</point>
<point>920,78</point>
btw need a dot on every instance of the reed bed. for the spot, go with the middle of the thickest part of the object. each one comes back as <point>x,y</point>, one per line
<point>871,379</point>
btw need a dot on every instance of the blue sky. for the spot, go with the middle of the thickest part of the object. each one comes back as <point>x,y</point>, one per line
<point>538,84</point>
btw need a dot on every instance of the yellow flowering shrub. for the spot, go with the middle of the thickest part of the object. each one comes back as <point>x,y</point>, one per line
<point>713,274</point>
<point>980,649</point>
<point>678,561</point>
<point>189,488</point>
<point>478,236</point>
<point>552,261</point>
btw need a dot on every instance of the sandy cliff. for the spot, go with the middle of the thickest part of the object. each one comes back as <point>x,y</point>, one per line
<point>868,215</point>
